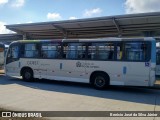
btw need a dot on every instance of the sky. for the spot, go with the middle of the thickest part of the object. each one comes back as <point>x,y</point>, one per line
<point>31,11</point>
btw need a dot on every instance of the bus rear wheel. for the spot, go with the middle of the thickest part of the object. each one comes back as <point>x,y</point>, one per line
<point>100,81</point>
<point>27,75</point>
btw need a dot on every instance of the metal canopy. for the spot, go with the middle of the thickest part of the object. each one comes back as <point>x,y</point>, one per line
<point>131,25</point>
<point>10,37</point>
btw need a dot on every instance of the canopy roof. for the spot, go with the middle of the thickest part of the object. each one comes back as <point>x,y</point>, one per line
<point>7,38</point>
<point>129,25</point>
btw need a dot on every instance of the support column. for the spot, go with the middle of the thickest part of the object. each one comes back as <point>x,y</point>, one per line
<point>24,36</point>
<point>64,31</point>
<point>118,27</point>
<point>65,35</point>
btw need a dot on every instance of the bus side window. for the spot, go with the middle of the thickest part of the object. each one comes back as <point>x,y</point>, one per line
<point>101,51</point>
<point>119,51</point>
<point>136,51</point>
<point>51,50</point>
<point>74,51</point>
<point>71,52</point>
<point>92,51</point>
<point>31,50</point>
<point>13,53</point>
<point>106,51</point>
<point>81,51</point>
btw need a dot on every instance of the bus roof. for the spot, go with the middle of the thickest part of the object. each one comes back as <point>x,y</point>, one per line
<point>88,40</point>
<point>109,39</point>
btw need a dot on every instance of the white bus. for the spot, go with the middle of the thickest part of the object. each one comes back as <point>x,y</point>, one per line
<point>2,52</point>
<point>100,62</point>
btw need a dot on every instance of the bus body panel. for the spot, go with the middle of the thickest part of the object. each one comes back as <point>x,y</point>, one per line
<point>53,69</point>
<point>132,73</point>
<point>13,69</point>
<point>109,67</point>
<point>136,73</point>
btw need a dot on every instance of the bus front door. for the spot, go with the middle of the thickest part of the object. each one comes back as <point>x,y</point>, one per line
<point>12,61</point>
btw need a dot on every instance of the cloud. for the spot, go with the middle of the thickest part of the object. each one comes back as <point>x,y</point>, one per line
<point>141,6</point>
<point>3,29</point>
<point>3,2</point>
<point>72,18</point>
<point>92,12</point>
<point>29,22</point>
<point>54,16</point>
<point>24,22</point>
<point>18,3</point>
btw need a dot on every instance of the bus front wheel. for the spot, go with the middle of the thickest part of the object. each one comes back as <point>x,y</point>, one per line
<point>27,75</point>
<point>100,81</point>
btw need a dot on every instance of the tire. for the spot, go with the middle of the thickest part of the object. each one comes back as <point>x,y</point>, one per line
<point>27,75</point>
<point>100,81</point>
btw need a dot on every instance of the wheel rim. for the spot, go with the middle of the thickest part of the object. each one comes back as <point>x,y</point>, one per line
<point>100,81</point>
<point>27,75</point>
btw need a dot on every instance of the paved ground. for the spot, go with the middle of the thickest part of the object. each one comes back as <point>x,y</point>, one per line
<point>44,95</point>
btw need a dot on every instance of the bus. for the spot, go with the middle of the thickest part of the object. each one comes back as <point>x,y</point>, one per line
<point>100,62</point>
<point>158,61</point>
<point>2,52</point>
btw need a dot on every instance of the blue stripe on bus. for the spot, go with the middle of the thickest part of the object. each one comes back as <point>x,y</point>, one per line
<point>124,70</point>
<point>19,64</point>
<point>153,52</point>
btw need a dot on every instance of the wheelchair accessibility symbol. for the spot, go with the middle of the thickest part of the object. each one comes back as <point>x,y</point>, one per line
<point>147,64</point>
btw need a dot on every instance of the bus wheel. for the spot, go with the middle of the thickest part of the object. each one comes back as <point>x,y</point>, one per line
<point>100,81</point>
<point>27,75</point>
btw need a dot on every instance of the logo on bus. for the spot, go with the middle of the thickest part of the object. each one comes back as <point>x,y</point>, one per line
<point>32,62</point>
<point>86,65</point>
<point>78,64</point>
<point>147,64</point>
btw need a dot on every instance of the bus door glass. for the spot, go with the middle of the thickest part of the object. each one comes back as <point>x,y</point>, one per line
<point>137,57</point>
<point>12,62</point>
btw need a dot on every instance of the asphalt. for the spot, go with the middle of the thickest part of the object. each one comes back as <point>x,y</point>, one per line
<point>45,95</point>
